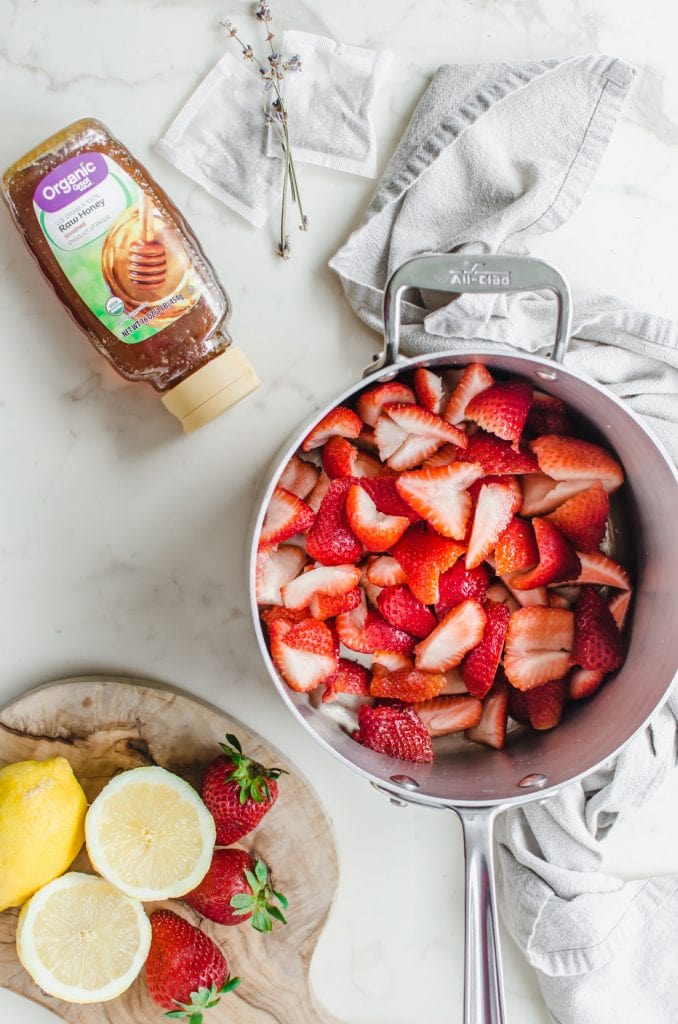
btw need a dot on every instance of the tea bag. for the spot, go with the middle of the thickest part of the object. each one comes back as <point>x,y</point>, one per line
<point>328,103</point>
<point>219,140</point>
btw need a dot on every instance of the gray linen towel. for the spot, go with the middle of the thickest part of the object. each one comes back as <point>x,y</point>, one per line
<point>493,154</point>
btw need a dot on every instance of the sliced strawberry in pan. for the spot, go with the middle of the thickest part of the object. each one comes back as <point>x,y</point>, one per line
<point>370,404</point>
<point>299,477</point>
<point>326,606</point>
<point>319,491</point>
<point>275,568</point>
<point>395,730</point>
<point>303,654</point>
<point>516,548</point>
<point>545,704</point>
<point>441,497</point>
<point>286,515</point>
<point>498,457</point>
<point>494,510</point>
<point>475,378</point>
<point>431,390</point>
<point>339,457</point>
<point>491,729</point>
<point>584,682</point>
<point>402,609</point>
<point>597,640</point>
<point>598,568</point>
<point>330,539</point>
<point>384,494</point>
<point>542,494</point>
<point>583,518</point>
<point>338,421</point>
<point>423,556</point>
<point>479,667</point>
<point>350,679</point>
<point>538,645</point>
<point>407,684</point>
<point>502,409</point>
<point>558,560</point>
<point>415,420</point>
<point>458,584</point>
<point>459,632</point>
<point>414,450</point>
<point>326,580</point>
<point>445,715</point>
<point>444,456</point>
<point>366,631</point>
<point>568,458</point>
<point>548,415</point>
<point>377,531</point>
<point>620,606</point>
<point>384,571</point>
<point>389,437</point>
<point>390,661</point>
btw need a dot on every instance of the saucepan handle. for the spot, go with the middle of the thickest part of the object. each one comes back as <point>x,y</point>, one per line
<point>453,272</point>
<point>483,982</point>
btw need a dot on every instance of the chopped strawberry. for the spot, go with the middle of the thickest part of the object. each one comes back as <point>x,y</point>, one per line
<point>527,598</point>
<point>491,729</point>
<point>568,458</point>
<point>480,665</point>
<point>276,567</point>
<point>423,556</point>
<point>508,481</point>
<point>369,466</point>
<point>350,678</point>
<point>502,409</point>
<point>326,580</point>
<point>458,584</point>
<point>431,390</point>
<point>541,494</point>
<point>407,684</point>
<point>286,515</point>
<point>454,683</point>
<point>556,600</point>
<point>445,456</point>
<point>339,457</point>
<point>558,560</point>
<point>402,609</point>
<point>384,494</point>
<point>415,420</point>
<point>548,415</point>
<point>598,568</point>
<point>350,627</point>
<point>366,441</point>
<point>620,606</point>
<point>390,661</point>
<point>303,654</point>
<point>377,531</point>
<point>474,379</point>
<point>516,548</point>
<point>319,491</point>
<point>583,518</point>
<point>459,632</point>
<point>518,706</point>
<point>498,457</point>
<point>584,682</point>
<point>338,421</point>
<point>396,730</point>
<point>538,645</point>
<point>444,715</point>
<point>414,450</point>
<point>299,477</point>
<point>384,571</point>
<point>330,539</point>
<point>370,404</point>
<point>441,497</point>
<point>278,613</point>
<point>499,592</point>
<point>326,606</point>
<point>597,640</point>
<point>494,510</point>
<point>366,631</point>
<point>545,704</point>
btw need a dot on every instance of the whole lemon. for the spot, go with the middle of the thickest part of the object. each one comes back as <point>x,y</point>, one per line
<point>42,826</point>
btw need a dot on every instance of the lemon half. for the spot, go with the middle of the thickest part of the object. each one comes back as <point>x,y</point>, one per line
<point>83,940</point>
<point>149,833</point>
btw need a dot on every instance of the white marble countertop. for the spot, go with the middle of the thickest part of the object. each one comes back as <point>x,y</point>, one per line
<point>122,540</point>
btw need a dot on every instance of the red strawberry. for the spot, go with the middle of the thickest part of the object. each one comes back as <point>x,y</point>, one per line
<point>340,420</point>
<point>583,518</point>
<point>491,729</point>
<point>304,656</point>
<point>444,715</point>
<point>275,568</point>
<point>390,662</point>
<point>518,706</point>
<point>330,539</point>
<point>237,888</point>
<point>423,556</point>
<point>584,682</point>
<point>516,548</point>
<point>431,390</point>
<point>384,571</point>
<point>620,606</point>
<point>494,511</point>
<point>568,458</point>
<point>480,665</point>
<point>460,583</point>
<point>542,494</point>
<point>238,792</point>
<point>526,598</point>
<point>441,497</point>
<point>350,678</point>
<point>278,613</point>
<point>474,379</point>
<point>445,456</point>
<point>377,531</point>
<point>400,449</point>
<point>497,457</point>
<point>370,404</point>
<point>185,971</point>
<point>459,632</point>
<point>415,420</point>
<point>403,610</point>
<point>299,477</point>
<point>324,580</point>
<point>395,730</point>
<point>558,561</point>
<point>324,606</point>
<point>499,592</point>
<point>598,568</point>
<point>538,645</point>
<point>548,415</point>
<point>407,684</point>
<point>319,491</point>
<point>597,641</point>
<point>384,494</point>
<point>286,515</point>
<point>506,480</point>
<point>339,457</point>
<point>502,409</point>
<point>555,600</point>
<point>545,704</point>
<point>366,631</point>
<point>366,441</point>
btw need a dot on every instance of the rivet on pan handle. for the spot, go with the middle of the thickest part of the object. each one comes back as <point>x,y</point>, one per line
<point>450,272</point>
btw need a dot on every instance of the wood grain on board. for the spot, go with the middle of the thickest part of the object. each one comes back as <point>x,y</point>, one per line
<point>103,726</point>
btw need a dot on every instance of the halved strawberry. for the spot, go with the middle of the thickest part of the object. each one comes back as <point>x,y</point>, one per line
<point>350,627</point>
<point>350,678</point>
<point>423,556</point>
<point>498,457</point>
<point>502,409</point>
<point>494,510</point>
<point>414,450</point>
<point>538,645</point>
<point>584,682</point>
<point>366,631</point>
<point>341,458</point>
<point>541,494</point>
<point>458,584</point>
<point>598,568</point>
<point>330,539</point>
<point>407,684</point>
<point>568,458</point>
<point>545,704</point>
<point>518,706</point>
<point>286,515</point>
<point>396,730</point>
<point>444,715</point>
<point>326,606</point>
<point>299,477</point>
<point>516,548</point>
<point>491,729</point>
<point>474,379</point>
<point>441,496</point>
<point>527,598</point>
<point>384,571</point>
<point>276,567</point>
<point>303,654</point>
<point>459,632</point>
<point>479,667</point>
<point>548,415</point>
<point>499,592</point>
<point>454,683</point>
<point>340,420</point>
<point>402,609</point>
<point>558,560</point>
<point>431,390</point>
<point>507,480</point>
<point>366,441</point>
<point>445,456</point>
<point>415,420</point>
<point>278,613</point>
<point>597,640</point>
<point>377,531</point>
<point>384,494</point>
<point>620,606</point>
<point>319,491</point>
<point>390,661</point>
<point>583,518</point>
<point>326,580</point>
<point>370,404</point>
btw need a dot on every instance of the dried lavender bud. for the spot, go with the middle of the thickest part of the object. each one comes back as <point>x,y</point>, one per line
<point>293,63</point>
<point>263,12</point>
<point>248,52</point>
<point>304,223</point>
<point>284,249</point>
<point>229,26</point>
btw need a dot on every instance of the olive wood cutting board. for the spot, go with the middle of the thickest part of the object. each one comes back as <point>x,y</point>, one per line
<point>103,726</point>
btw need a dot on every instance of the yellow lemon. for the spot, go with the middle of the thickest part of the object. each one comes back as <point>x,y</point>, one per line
<point>42,818</point>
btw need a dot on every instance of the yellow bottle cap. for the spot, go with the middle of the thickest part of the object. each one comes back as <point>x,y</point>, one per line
<point>211,390</point>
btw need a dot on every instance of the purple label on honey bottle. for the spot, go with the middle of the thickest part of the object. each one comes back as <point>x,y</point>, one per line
<point>69,180</point>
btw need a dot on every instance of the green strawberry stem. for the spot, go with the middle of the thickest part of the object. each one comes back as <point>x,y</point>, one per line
<point>203,999</point>
<point>250,775</point>
<point>262,902</point>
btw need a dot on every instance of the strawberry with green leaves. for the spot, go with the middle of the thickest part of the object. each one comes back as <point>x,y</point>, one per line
<point>238,888</point>
<point>238,792</point>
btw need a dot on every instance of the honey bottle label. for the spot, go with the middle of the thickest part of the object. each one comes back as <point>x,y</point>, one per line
<point>126,261</point>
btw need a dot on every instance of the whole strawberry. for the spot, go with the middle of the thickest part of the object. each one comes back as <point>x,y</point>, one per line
<point>238,792</point>
<point>186,972</point>
<point>236,889</point>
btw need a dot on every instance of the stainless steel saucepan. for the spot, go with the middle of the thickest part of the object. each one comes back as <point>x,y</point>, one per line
<point>476,782</point>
